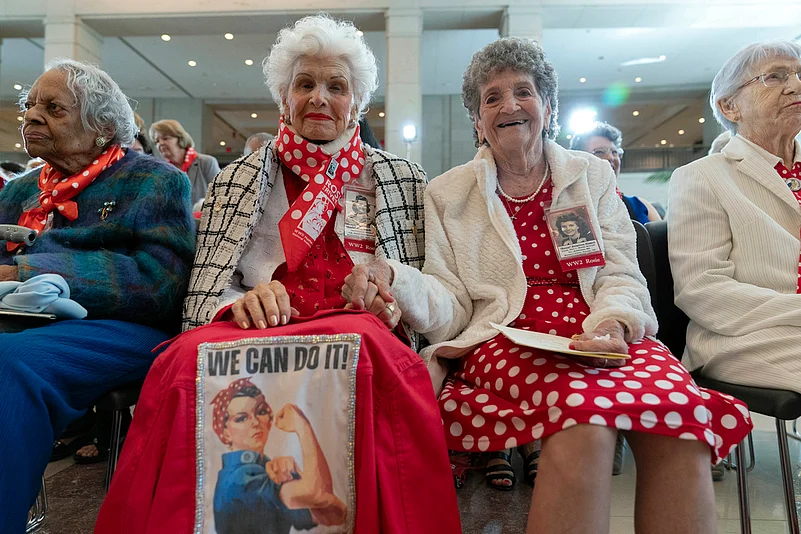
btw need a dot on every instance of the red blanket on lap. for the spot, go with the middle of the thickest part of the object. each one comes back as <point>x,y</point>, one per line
<point>403,478</point>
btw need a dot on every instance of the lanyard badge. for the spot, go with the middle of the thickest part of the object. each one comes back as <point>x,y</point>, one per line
<point>360,231</point>
<point>574,238</point>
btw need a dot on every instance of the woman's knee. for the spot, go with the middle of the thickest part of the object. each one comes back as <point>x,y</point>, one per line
<point>577,446</point>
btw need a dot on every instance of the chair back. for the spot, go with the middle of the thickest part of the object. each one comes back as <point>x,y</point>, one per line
<point>672,321</point>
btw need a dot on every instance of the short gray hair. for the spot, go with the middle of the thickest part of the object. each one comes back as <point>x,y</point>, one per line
<point>321,36</point>
<point>518,55</point>
<point>104,107</point>
<point>740,67</point>
<point>262,137</point>
<point>601,129</point>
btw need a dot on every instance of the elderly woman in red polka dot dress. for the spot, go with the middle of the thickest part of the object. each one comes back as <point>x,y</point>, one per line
<point>490,259</point>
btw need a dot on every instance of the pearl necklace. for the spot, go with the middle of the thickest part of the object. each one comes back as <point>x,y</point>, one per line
<point>529,198</point>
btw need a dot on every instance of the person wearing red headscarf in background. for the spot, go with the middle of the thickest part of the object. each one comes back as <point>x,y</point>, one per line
<point>274,248</point>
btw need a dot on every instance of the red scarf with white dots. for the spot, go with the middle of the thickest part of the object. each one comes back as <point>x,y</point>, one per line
<point>326,175</point>
<point>58,191</point>
<point>786,173</point>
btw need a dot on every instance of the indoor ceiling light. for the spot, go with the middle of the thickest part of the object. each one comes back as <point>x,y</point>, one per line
<point>222,143</point>
<point>248,62</point>
<point>17,87</point>
<point>582,120</point>
<point>637,79</point>
<point>702,120</point>
<point>681,132</point>
<point>254,115</point>
<point>382,114</point>
<point>582,80</point>
<point>359,33</point>
<point>635,112</point>
<point>643,61</point>
<point>165,37</point>
<point>569,137</point>
<point>192,63</point>
<point>663,142</point>
<point>409,133</point>
<point>17,145</point>
<point>671,145</point>
<point>19,118</point>
<point>229,36</point>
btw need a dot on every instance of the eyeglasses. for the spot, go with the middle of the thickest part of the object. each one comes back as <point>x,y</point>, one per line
<point>773,79</point>
<point>604,152</point>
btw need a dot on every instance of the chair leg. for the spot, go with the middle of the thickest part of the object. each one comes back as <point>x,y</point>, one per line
<point>38,510</point>
<point>742,491</point>
<point>794,434</point>
<point>787,477</point>
<point>751,453</point>
<point>114,446</point>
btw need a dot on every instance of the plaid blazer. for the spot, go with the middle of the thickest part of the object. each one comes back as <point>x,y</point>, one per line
<point>236,201</point>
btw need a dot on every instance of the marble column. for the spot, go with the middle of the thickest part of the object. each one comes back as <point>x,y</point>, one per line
<point>67,36</point>
<point>522,21</point>
<point>404,93</point>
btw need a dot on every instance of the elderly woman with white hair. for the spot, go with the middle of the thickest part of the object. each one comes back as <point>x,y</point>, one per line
<point>276,241</point>
<point>116,227</point>
<point>735,223</point>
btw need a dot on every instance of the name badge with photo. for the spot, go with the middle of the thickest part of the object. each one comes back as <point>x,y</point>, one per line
<point>574,238</point>
<point>275,433</point>
<point>360,231</point>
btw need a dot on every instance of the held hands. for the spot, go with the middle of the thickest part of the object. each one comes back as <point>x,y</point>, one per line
<point>615,343</point>
<point>265,304</point>
<point>280,469</point>
<point>367,288</point>
<point>290,418</point>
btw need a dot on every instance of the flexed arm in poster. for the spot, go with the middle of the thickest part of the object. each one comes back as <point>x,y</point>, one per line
<point>314,489</point>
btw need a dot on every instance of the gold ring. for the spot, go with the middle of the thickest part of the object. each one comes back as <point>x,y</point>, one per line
<point>390,308</point>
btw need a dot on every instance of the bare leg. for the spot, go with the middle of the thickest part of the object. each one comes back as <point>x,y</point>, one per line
<point>674,489</point>
<point>574,482</point>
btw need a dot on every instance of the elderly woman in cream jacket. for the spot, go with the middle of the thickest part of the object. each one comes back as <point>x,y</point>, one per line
<point>735,222</point>
<point>490,258</point>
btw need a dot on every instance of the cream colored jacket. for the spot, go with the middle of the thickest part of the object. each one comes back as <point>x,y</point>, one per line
<point>473,272</point>
<point>733,236</point>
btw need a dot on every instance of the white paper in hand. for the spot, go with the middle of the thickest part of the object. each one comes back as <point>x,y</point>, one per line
<point>537,340</point>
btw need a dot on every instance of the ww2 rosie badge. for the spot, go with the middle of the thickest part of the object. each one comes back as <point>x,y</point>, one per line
<point>275,433</point>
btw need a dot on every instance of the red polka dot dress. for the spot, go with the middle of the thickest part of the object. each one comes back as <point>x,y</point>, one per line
<point>503,395</point>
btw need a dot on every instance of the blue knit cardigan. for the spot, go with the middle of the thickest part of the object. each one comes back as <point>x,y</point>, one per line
<point>134,265</point>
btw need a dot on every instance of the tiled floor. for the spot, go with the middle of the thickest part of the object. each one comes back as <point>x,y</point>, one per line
<point>75,493</point>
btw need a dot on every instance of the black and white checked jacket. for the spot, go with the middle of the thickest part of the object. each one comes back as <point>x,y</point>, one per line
<point>235,202</point>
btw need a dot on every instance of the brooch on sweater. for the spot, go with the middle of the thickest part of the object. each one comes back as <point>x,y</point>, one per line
<point>107,208</point>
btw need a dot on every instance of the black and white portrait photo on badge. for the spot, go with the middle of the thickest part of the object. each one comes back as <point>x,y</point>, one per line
<point>274,439</point>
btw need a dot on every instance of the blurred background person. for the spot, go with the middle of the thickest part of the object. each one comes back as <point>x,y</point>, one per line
<point>367,135</point>
<point>8,171</point>
<point>177,147</point>
<point>255,142</point>
<point>605,141</point>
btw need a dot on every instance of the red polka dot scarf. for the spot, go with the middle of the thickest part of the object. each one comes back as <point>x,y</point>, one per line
<point>221,401</point>
<point>326,176</point>
<point>191,155</point>
<point>58,191</point>
<point>793,178</point>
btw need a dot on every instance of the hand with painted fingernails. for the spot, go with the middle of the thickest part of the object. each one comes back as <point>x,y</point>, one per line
<point>264,306</point>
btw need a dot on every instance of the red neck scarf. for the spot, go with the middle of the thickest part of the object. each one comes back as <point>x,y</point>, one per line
<point>58,191</point>
<point>326,176</point>
<point>190,156</point>
<point>790,176</point>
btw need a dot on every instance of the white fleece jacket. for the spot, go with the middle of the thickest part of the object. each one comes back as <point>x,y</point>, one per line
<point>473,273</point>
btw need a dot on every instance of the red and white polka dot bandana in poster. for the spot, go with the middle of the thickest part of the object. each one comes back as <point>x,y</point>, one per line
<point>326,176</point>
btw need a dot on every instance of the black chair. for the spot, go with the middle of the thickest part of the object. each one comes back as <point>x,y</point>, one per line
<point>117,401</point>
<point>780,404</point>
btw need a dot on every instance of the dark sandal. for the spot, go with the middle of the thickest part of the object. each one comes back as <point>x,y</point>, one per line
<point>60,451</point>
<point>531,465</point>
<point>499,468</point>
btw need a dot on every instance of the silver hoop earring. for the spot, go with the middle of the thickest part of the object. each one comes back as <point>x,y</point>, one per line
<point>100,141</point>
<point>287,121</point>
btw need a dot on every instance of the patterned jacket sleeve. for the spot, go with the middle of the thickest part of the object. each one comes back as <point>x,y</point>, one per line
<point>139,271</point>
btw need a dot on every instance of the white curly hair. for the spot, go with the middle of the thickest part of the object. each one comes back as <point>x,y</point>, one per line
<point>321,36</point>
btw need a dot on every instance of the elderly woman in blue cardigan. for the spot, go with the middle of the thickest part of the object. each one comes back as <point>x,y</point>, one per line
<point>117,227</point>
